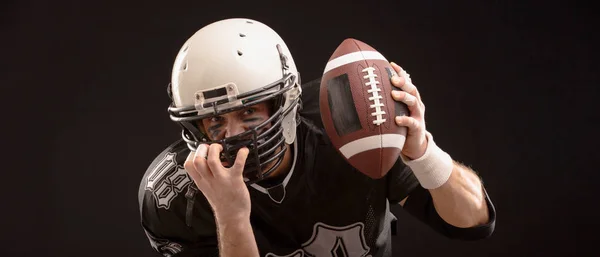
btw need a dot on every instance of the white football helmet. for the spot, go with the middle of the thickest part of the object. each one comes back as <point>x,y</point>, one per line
<point>228,65</point>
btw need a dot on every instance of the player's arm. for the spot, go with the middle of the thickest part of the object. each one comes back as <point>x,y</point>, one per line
<point>419,203</point>
<point>227,193</point>
<point>204,236</point>
<point>461,200</point>
<point>457,192</point>
<point>236,238</point>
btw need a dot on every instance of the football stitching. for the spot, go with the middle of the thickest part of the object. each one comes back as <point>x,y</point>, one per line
<point>384,93</point>
<point>375,96</point>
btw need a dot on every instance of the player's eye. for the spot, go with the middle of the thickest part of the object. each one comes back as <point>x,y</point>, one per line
<point>216,119</point>
<point>249,111</point>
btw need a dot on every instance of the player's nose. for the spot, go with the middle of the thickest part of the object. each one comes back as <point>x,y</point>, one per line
<point>234,129</point>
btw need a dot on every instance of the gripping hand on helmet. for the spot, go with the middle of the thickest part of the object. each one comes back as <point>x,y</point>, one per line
<point>224,188</point>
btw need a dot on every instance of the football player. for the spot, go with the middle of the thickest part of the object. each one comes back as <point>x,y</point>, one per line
<point>254,173</point>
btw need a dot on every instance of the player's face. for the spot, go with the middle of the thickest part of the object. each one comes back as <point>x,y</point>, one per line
<point>234,123</point>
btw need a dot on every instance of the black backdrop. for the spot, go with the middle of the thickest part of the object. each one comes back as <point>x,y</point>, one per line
<point>510,89</point>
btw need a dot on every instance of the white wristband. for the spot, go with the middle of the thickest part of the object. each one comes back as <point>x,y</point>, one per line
<point>433,168</point>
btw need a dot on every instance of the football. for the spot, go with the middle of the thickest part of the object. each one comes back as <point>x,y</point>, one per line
<point>357,108</point>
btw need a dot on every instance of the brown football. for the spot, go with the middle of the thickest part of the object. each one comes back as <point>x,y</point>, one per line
<point>358,110</point>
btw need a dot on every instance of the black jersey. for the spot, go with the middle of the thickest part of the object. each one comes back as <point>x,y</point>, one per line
<point>322,207</point>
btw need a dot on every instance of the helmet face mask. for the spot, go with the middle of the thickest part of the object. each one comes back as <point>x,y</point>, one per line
<point>266,141</point>
<point>265,147</point>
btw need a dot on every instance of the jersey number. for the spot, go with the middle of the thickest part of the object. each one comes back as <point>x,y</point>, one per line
<point>167,180</point>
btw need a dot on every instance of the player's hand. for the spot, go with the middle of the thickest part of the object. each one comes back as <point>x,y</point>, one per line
<point>416,141</point>
<point>224,188</point>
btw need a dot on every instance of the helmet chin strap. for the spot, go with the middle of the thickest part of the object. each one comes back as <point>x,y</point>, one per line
<point>195,134</point>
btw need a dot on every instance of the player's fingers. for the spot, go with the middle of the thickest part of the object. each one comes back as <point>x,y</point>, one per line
<point>404,81</point>
<point>396,67</point>
<point>200,161</point>
<point>408,99</point>
<point>409,86</point>
<point>413,104</point>
<point>411,123</point>
<point>189,166</point>
<point>189,162</point>
<point>240,161</point>
<point>398,81</point>
<point>214,159</point>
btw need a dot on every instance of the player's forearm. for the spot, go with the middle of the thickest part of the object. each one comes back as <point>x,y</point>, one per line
<point>236,238</point>
<point>461,200</point>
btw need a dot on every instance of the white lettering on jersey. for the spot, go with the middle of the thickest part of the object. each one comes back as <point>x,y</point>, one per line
<point>330,241</point>
<point>297,253</point>
<point>167,180</point>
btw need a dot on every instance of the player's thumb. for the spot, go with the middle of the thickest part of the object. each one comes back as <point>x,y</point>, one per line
<point>240,160</point>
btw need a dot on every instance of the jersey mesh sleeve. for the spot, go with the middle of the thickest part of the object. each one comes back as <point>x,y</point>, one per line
<point>420,205</point>
<point>401,182</point>
<point>169,235</point>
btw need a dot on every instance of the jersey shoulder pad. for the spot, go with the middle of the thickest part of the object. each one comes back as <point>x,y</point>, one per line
<point>171,207</point>
<point>165,179</point>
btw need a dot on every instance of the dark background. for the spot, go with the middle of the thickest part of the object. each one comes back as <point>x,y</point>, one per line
<point>510,89</point>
